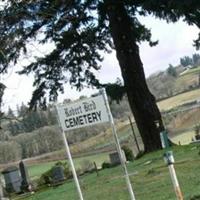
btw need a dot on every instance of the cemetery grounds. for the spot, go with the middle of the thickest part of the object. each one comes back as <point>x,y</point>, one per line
<point>149,174</point>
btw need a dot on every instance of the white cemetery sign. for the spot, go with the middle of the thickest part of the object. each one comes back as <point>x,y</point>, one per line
<point>83,113</point>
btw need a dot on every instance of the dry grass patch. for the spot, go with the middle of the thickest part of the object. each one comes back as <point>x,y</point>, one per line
<point>179,100</point>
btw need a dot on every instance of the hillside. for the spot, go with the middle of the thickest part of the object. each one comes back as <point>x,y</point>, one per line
<point>164,85</point>
<point>181,126</point>
<point>36,133</point>
<point>179,99</point>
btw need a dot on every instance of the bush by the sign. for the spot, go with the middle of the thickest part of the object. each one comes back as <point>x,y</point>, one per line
<point>47,178</point>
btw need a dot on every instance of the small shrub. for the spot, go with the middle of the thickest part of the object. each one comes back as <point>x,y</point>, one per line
<point>106,165</point>
<point>128,153</point>
<point>46,178</point>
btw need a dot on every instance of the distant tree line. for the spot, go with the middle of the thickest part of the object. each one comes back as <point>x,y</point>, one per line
<point>194,60</point>
<point>31,144</point>
<point>28,121</point>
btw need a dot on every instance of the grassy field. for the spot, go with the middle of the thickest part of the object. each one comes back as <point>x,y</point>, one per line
<point>149,176</point>
<point>36,170</point>
<point>37,166</point>
<point>187,79</point>
<point>105,139</point>
<point>195,70</point>
<point>184,81</point>
<point>179,99</point>
<point>99,141</point>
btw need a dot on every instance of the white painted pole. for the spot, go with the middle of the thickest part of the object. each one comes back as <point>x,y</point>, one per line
<point>128,182</point>
<point>71,163</point>
<point>169,160</point>
<point>175,182</point>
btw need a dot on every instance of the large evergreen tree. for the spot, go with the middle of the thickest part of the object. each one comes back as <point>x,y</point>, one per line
<point>81,30</point>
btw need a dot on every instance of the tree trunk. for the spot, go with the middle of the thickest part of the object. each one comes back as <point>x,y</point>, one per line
<point>142,102</point>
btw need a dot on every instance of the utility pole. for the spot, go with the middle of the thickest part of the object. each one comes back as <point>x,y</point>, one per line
<point>134,135</point>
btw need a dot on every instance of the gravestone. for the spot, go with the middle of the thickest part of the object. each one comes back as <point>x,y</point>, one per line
<point>24,176</point>
<point>58,175</point>
<point>115,159</point>
<point>12,180</point>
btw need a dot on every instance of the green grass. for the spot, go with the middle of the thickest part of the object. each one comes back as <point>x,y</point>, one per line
<point>152,181</point>
<point>36,170</point>
<point>124,133</point>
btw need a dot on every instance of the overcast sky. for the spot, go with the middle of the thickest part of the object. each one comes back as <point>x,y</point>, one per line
<point>175,41</point>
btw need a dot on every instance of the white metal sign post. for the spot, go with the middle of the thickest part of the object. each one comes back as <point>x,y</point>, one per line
<point>169,160</point>
<point>70,160</point>
<point>176,185</point>
<point>72,166</point>
<point>128,182</point>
